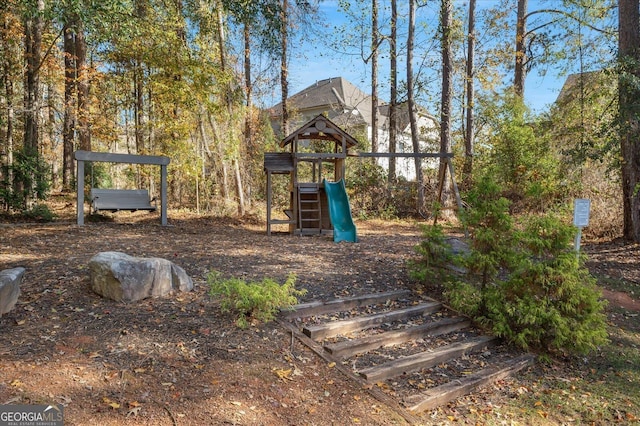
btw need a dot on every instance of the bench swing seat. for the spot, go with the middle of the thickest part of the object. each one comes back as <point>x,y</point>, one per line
<point>114,200</point>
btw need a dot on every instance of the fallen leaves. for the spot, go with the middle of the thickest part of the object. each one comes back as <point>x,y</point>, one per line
<point>282,374</point>
<point>134,411</point>
<point>113,404</point>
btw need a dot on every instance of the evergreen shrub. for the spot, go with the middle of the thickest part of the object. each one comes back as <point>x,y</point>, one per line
<point>522,280</point>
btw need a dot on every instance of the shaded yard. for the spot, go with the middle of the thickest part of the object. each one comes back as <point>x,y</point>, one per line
<point>179,360</point>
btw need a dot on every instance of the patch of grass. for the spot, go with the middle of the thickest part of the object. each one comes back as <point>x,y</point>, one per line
<point>618,284</point>
<point>602,389</point>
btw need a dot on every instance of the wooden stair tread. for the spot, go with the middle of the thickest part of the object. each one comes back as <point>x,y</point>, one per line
<point>281,221</point>
<point>348,348</point>
<point>422,360</point>
<point>442,394</point>
<point>343,304</point>
<point>322,331</point>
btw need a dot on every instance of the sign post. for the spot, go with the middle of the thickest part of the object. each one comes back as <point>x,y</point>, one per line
<point>581,208</point>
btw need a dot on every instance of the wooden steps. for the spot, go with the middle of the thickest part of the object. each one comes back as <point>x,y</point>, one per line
<point>391,336</point>
<point>452,390</point>
<point>411,363</point>
<point>349,348</point>
<point>334,328</point>
<point>337,305</point>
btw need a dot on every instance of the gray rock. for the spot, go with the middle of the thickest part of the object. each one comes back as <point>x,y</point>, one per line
<point>10,280</point>
<point>458,246</point>
<point>121,277</point>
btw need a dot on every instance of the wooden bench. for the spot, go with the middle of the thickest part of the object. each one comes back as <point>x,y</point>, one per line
<point>121,199</point>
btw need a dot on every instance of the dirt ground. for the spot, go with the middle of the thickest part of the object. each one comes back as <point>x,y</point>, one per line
<point>178,360</point>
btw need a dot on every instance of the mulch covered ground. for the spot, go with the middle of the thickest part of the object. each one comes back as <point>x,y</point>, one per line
<point>179,360</point>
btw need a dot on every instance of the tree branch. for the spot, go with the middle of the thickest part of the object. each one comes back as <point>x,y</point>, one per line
<point>568,15</point>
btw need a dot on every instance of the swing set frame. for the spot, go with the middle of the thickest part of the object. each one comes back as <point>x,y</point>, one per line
<point>107,157</point>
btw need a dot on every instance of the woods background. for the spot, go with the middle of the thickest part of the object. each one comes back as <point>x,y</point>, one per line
<point>190,79</point>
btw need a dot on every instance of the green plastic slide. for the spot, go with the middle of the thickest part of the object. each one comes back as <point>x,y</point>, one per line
<point>340,212</point>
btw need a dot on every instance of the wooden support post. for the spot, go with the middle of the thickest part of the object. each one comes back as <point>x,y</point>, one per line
<point>442,175</point>
<point>80,193</point>
<point>269,199</point>
<point>455,185</point>
<point>163,194</point>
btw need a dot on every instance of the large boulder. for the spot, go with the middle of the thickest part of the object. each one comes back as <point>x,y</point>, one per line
<point>121,277</point>
<point>10,280</point>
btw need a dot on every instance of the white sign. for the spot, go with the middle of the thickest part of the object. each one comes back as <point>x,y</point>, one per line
<point>581,207</point>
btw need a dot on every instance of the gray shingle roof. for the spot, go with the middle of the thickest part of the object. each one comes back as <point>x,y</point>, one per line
<point>335,94</point>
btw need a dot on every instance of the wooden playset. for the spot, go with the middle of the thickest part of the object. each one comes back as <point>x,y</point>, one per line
<point>317,151</point>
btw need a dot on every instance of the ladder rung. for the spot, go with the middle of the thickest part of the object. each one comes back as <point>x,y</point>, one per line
<point>281,221</point>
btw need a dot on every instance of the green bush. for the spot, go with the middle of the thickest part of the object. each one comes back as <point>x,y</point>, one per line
<point>521,160</point>
<point>522,279</point>
<point>30,181</point>
<point>259,301</point>
<point>40,213</point>
<point>368,193</point>
<point>435,254</point>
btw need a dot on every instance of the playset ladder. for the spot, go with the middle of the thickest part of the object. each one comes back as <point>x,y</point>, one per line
<point>309,209</point>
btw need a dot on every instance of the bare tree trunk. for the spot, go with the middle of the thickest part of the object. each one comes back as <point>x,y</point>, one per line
<point>54,141</point>
<point>247,85</point>
<point>467,169</point>
<point>220,140</point>
<point>138,87</point>
<point>230,113</point>
<point>374,75</point>
<point>33,28</point>
<point>447,76</point>
<point>284,69</point>
<point>69,120</point>
<point>8,88</point>
<point>7,66</point>
<point>393,125</point>
<point>220,155</point>
<point>415,132</point>
<point>629,57</point>
<point>84,135</point>
<point>239,189</point>
<point>248,128</point>
<point>138,109</point>
<point>33,46</point>
<point>521,55</point>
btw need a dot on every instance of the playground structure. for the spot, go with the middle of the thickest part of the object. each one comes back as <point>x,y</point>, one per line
<point>313,210</point>
<point>321,205</point>
<point>120,199</point>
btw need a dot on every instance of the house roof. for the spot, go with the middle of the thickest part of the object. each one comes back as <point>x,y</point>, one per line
<point>402,115</point>
<point>348,107</point>
<point>320,128</point>
<point>335,93</point>
<point>575,83</point>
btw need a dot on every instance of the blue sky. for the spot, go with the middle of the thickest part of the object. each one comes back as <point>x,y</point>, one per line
<point>321,62</point>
